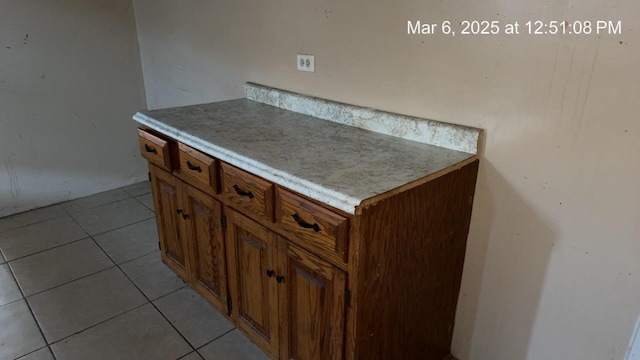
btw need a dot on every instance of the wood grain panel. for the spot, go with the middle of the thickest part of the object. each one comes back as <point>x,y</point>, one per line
<point>166,196</point>
<point>312,308</point>
<point>411,252</point>
<point>198,169</point>
<point>247,192</point>
<point>155,149</point>
<point>313,226</point>
<point>251,253</point>
<point>206,245</point>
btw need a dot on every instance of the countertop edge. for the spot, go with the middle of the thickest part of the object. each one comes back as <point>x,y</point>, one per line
<point>330,197</point>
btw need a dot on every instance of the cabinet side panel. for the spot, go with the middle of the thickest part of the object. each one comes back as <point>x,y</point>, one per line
<point>411,253</point>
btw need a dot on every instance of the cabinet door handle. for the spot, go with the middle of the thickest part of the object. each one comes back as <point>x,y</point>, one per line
<point>305,224</point>
<point>185,216</point>
<point>279,279</point>
<point>193,167</point>
<point>270,273</point>
<point>179,211</point>
<point>241,192</point>
<point>149,149</point>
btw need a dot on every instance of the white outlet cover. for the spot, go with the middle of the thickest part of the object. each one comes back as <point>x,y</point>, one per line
<point>306,62</point>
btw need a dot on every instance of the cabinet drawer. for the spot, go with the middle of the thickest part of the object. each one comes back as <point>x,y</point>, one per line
<point>198,169</point>
<point>155,149</point>
<point>313,226</point>
<point>248,191</point>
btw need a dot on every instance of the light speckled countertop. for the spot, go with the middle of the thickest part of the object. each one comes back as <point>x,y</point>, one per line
<point>337,164</point>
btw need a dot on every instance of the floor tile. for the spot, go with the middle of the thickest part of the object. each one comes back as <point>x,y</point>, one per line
<point>2,259</point>
<point>31,217</point>
<point>42,354</point>
<point>193,356</point>
<point>20,334</point>
<point>139,334</point>
<point>57,266</point>
<point>138,189</point>
<point>152,276</point>
<point>146,200</point>
<point>9,290</point>
<point>233,346</point>
<point>131,241</point>
<point>112,216</point>
<point>91,201</point>
<point>41,236</point>
<point>197,320</point>
<point>70,308</point>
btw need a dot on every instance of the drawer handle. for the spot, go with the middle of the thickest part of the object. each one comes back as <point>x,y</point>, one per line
<point>305,224</point>
<point>279,279</point>
<point>180,212</point>
<point>193,167</point>
<point>270,273</point>
<point>149,149</point>
<point>241,192</point>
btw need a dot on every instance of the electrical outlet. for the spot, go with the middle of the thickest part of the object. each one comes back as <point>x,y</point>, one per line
<point>306,63</point>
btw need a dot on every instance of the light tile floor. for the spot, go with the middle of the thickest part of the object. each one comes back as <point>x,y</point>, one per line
<point>84,280</point>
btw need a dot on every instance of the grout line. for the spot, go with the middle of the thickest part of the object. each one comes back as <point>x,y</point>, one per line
<point>171,292</point>
<point>136,197</point>
<point>145,296</point>
<point>109,202</point>
<point>110,230</point>
<point>123,226</point>
<point>137,257</point>
<point>149,301</point>
<point>51,351</point>
<point>217,338</point>
<point>36,350</point>
<point>88,236</point>
<point>69,282</point>
<point>99,323</point>
<point>158,310</point>
<point>33,315</point>
<point>67,211</point>
<point>51,248</point>
<point>33,223</point>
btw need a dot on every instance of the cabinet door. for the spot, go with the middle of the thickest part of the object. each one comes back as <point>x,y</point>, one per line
<point>252,280</point>
<point>312,306</point>
<point>206,246</point>
<point>166,196</point>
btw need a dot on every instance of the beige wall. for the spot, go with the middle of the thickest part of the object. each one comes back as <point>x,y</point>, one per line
<point>70,79</point>
<point>552,268</point>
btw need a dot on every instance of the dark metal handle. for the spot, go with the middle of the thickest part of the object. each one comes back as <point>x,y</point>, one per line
<point>185,216</point>
<point>241,192</point>
<point>279,279</point>
<point>270,273</point>
<point>149,149</point>
<point>179,211</point>
<point>305,224</point>
<point>193,167</point>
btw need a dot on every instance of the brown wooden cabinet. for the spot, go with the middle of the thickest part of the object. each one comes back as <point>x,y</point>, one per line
<point>252,280</point>
<point>312,297</point>
<point>207,259</point>
<point>289,301</point>
<point>306,281</point>
<point>169,213</point>
<point>191,236</point>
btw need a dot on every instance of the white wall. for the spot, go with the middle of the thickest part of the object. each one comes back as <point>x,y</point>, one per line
<point>67,93</point>
<point>552,269</point>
